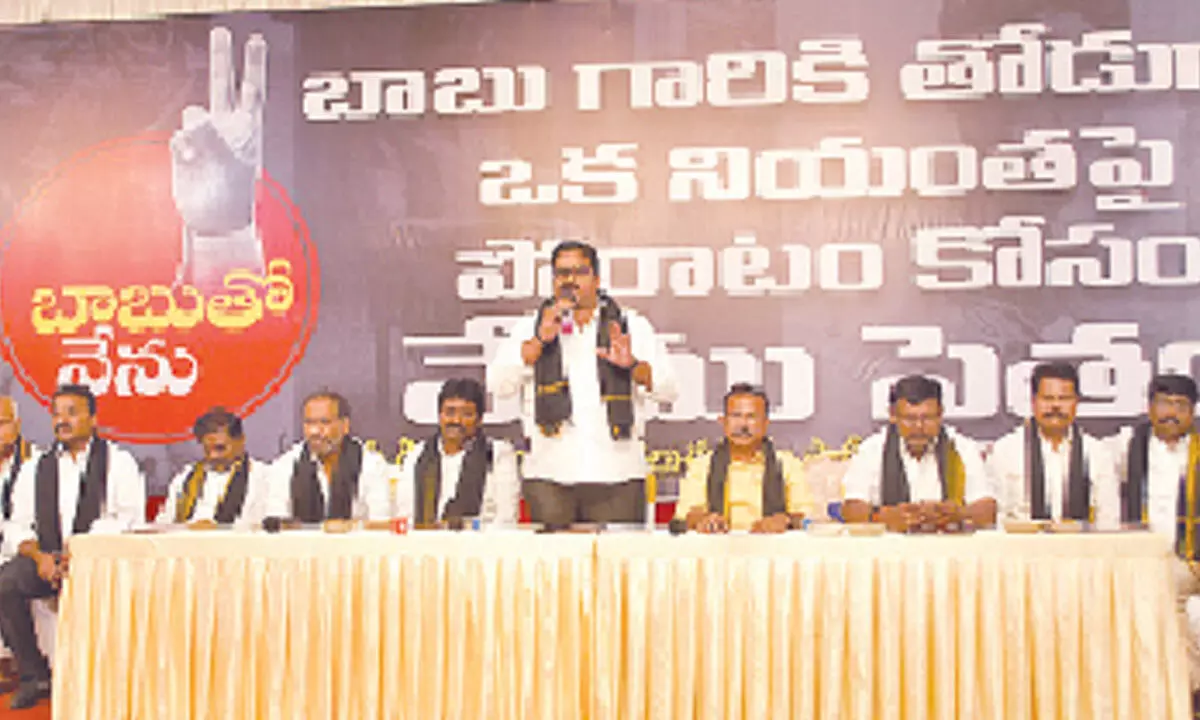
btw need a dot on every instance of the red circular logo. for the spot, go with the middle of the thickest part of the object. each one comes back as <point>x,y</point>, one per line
<point>102,284</point>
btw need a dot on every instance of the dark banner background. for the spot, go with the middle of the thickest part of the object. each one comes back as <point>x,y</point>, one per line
<point>393,206</point>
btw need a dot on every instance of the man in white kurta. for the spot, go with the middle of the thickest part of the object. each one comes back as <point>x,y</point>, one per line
<point>460,473</point>
<point>330,475</point>
<point>1157,461</point>
<point>226,485</point>
<point>588,372</point>
<point>915,464</point>
<point>83,484</point>
<point>1068,474</point>
<point>15,453</point>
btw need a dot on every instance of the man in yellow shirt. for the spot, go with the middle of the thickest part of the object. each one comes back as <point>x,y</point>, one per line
<point>744,484</point>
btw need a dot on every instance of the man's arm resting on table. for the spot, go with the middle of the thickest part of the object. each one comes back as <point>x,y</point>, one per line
<point>700,520</point>
<point>982,512</point>
<point>856,511</point>
<point>777,523</point>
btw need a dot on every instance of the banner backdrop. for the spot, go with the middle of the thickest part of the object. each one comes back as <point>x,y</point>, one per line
<point>242,209</point>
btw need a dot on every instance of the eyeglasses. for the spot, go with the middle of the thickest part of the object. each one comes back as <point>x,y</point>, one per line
<point>566,272</point>
<point>915,421</point>
<point>1175,402</point>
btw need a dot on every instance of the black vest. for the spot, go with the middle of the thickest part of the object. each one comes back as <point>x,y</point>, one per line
<point>308,501</point>
<point>92,494</point>
<point>468,497</point>
<point>774,500</point>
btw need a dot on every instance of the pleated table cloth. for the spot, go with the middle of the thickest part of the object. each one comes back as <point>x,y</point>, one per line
<point>308,625</point>
<point>978,627</point>
<point>510,624</point>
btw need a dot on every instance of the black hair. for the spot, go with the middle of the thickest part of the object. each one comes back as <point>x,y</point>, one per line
<point>1055,371</point>
<point>588,251</point>
<point>1170,384</point>
<point>218,418</point>
<point>915,389</point>
<point>467,389</point>
<point>82,391</point>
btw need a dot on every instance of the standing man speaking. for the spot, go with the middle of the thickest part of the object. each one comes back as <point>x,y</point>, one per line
<point>586,369</point>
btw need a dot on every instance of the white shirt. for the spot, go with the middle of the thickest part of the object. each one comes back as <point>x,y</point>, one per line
<point>584,451</point>
<point>501,493</point>
<point>124,503</point>
<point>213,492</point>
<point>1165,467</point>
<point>1007,467</point>
<point>6,465</point>
<point>373,501</point>
<point>864,478</point>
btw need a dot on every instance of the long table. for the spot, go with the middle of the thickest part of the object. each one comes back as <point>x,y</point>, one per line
<point>511,624</point>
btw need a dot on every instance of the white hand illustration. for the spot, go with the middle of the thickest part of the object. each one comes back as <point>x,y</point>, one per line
<point>216,161</point>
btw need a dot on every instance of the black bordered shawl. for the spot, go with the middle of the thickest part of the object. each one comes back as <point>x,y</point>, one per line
<point>472,481</point>
<point>552,404</point>
<point>308,501</point>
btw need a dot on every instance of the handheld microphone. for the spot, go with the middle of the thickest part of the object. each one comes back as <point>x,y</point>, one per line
<point>566,319</point>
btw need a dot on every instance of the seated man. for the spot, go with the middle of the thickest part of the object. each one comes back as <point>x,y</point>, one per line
<point>917,471</point>
<point>330,475</point>
<point>225,484</point>
<point>744,484</point>
<point>1158,460</point>
<point>459,472</point>
<point>1049,469</point>
<point>15,451</point>
<point>82,484</point>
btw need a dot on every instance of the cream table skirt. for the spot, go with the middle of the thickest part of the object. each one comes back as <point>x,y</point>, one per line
<point>980,627</point>
<point>357,626</point>
<point>516,625</point>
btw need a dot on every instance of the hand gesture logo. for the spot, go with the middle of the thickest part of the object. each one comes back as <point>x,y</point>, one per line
<point>216,163</point>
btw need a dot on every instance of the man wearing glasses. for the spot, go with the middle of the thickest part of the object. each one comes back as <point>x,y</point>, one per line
<point>1157,461</point>
<point>1048,468</point>
<point>745,483</point>
<point>917,471</point>
<point>588,371</point>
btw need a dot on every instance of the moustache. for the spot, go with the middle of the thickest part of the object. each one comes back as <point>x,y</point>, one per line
<point>62,426</point>
<point>743,432</point>
<point>456,426</point>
